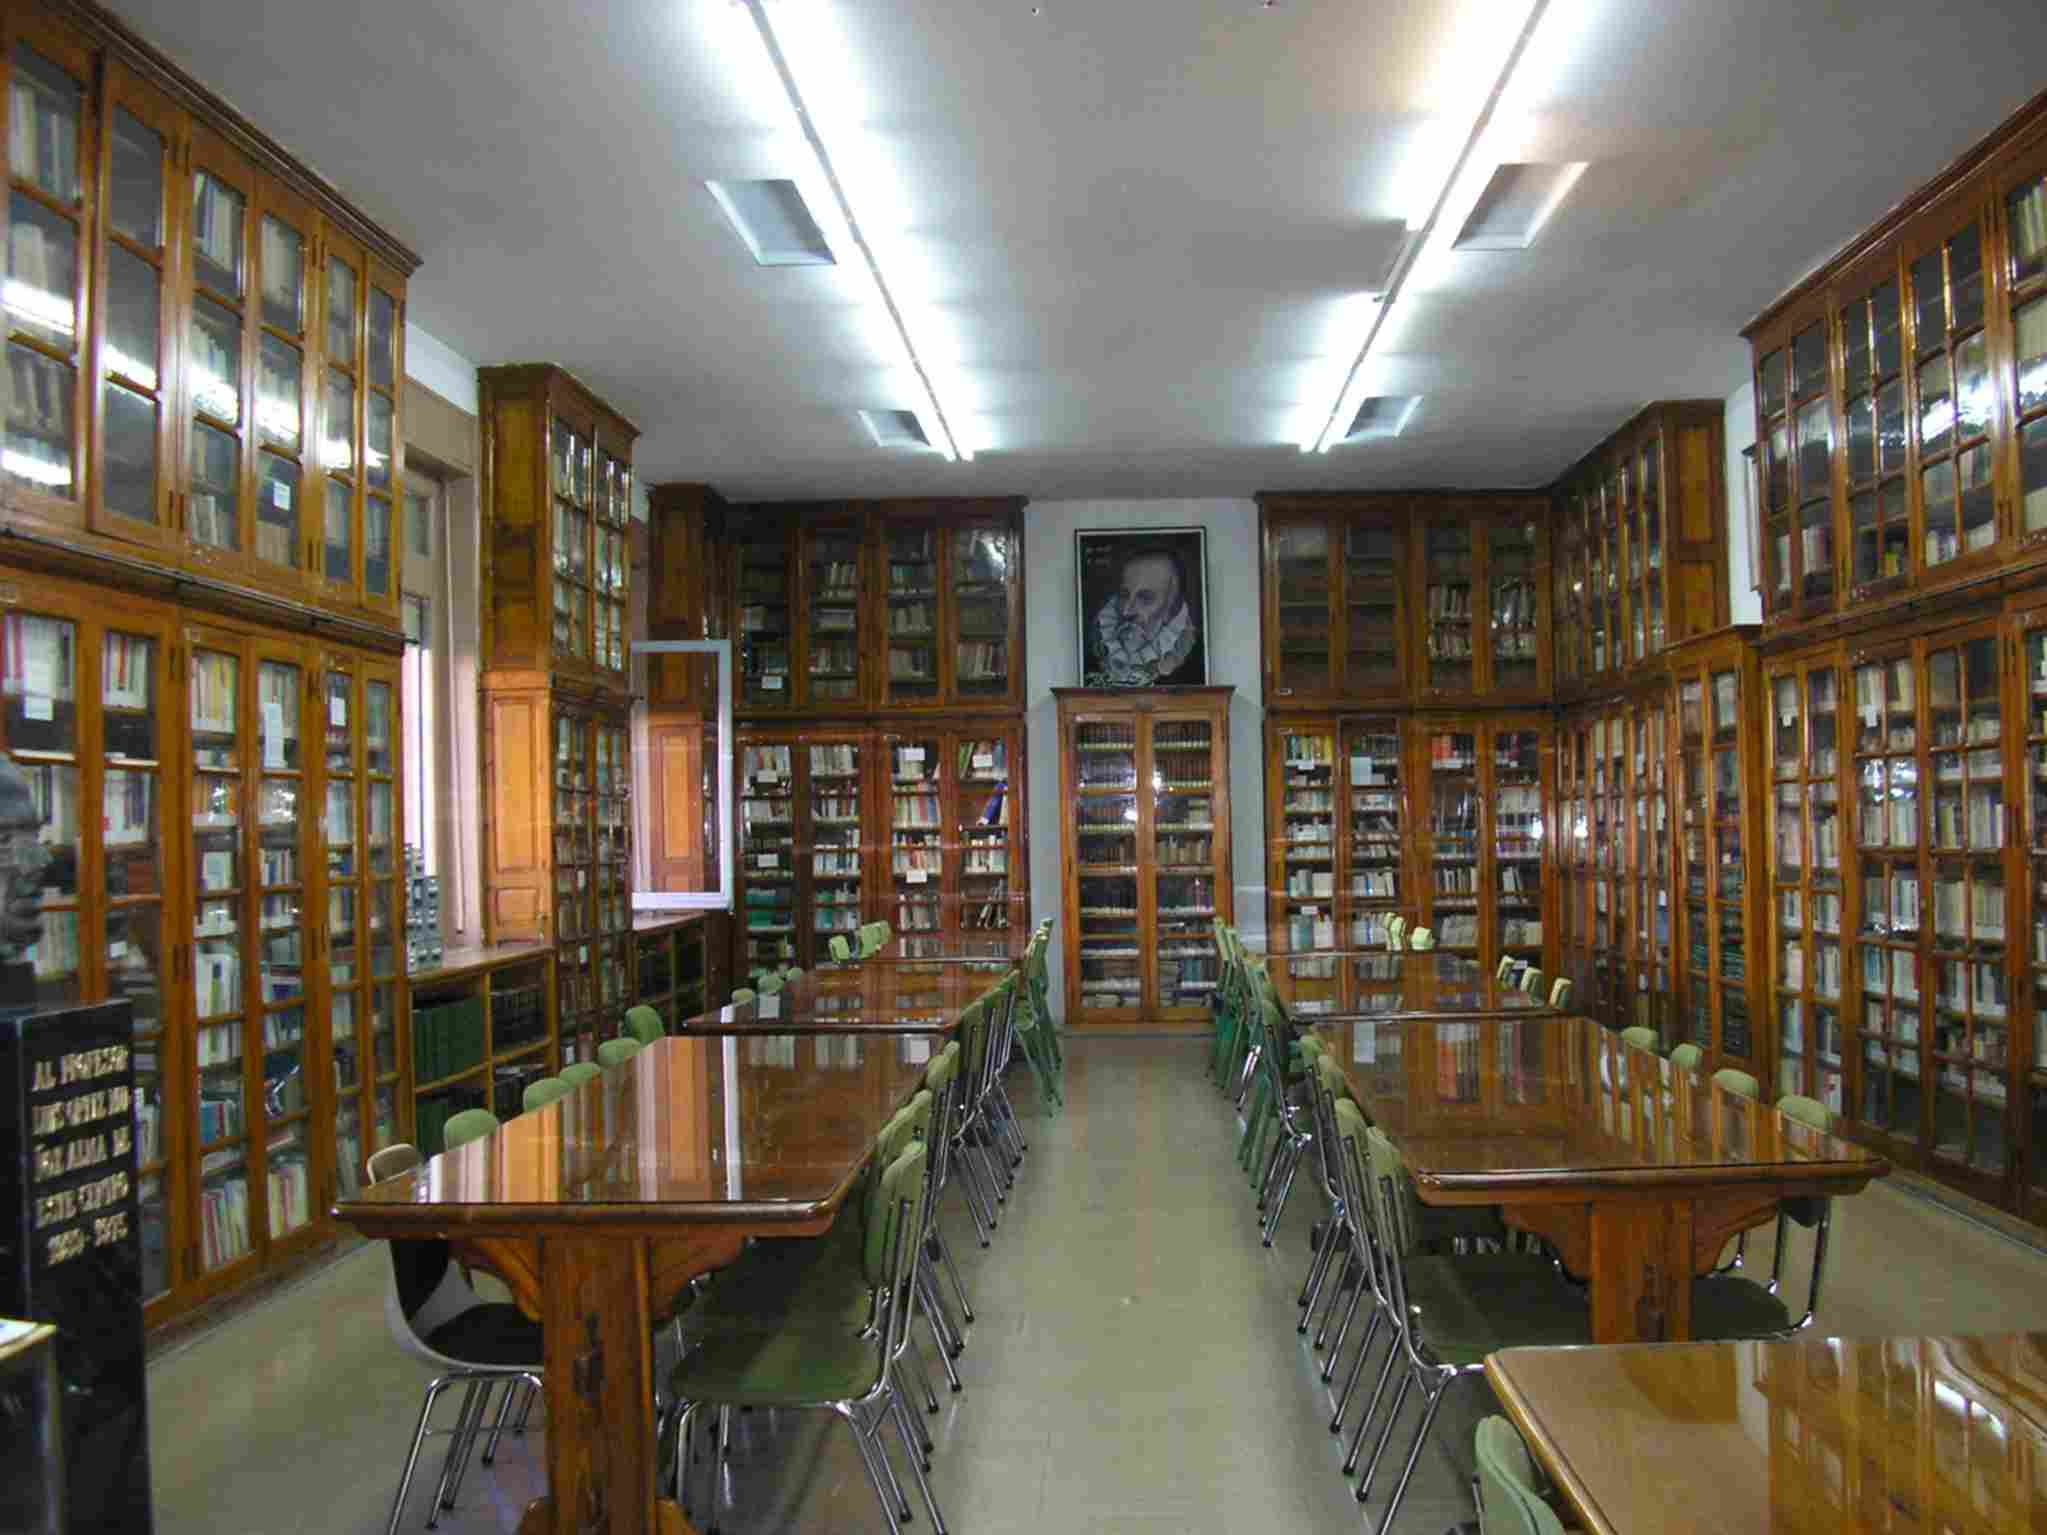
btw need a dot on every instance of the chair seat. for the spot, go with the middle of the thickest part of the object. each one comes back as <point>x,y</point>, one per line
<point>1728,1306</point>
<point>1470,1308</point>
<point>493,1334</point>
<point>793,1366</point>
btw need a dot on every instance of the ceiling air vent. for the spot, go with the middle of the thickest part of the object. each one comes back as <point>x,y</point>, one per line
<point>895,428</point>
<point>1381,415</point>
<point>771,217</point>
<point>1514,206</point>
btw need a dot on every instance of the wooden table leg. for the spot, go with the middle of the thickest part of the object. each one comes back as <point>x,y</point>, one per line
<point>598,1323</point>
<point>1641,1271</point>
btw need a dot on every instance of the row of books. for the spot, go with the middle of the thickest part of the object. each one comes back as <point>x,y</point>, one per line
<point>980,661</point>
<point>1314,884</point>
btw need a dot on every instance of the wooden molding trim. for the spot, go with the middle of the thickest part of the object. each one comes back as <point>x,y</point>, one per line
<point>1944,183</point>
<point>109,31</point>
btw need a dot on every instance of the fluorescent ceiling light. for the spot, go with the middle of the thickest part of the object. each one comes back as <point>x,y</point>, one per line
<point>1514,206</point>
<point>937,424</point>
<point>1344,407</point>
<point>896,429</point>
<point>1381,416</point>
<point>773,221</point>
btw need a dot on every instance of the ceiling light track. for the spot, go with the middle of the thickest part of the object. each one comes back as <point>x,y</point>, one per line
<point>946,441</point>
<point>1333,426</point>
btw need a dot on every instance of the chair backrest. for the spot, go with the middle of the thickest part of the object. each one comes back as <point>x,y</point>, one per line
<point>391,1161</point>
<point>1641,1038</point>
<point>1739,1083</point>
<point>741,995</point>
<point>1531,981</point>
<point>903,1188</point>
<point>770,985</point>
<point>1560,992</point>
<point>1507,1500</point>
<point>1686,1057</point>
<point>643,1023</point>
<point>793,974</point>
<point>841,950</point>
<point>1422,939</point>
<point>543,1091</point>
<point>616,1052</point>
<point>1506,969</point>
<point>581,1072</point>
<point>1807,1111</point>
<point>469,1125</point>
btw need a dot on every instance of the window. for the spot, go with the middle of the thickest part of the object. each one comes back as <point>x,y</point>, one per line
<point>422,709</point>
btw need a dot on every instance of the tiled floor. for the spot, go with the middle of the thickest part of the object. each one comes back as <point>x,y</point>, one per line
<point>1134,1367</point>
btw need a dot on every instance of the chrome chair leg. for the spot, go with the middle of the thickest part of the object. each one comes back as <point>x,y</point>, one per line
<point>940,1247</point>
<point>869,1454</point>
<point>426,1410</point>
<point>1325,1249</point>
<point>475,1399</point>
<point>1357,1441</point>
<point>1385,1437</point>
<point>917,1469</point>
<point>1343,1331</point>
<point>1357,1371</point>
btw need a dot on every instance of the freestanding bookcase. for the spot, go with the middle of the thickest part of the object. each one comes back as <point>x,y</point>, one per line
<point>1144,851</point>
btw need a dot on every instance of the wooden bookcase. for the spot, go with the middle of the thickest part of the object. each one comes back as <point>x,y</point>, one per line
<point>840,826</point>
<point>206,376</point>
<point>679,968</point>
<point>1901,400</point>
<point>1145,855</point>
<point>1424,598</point>
<point>850,608</point>
<point>482,1025</point>
<point>1640,544</point>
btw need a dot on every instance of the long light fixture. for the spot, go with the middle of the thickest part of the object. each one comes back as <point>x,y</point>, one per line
<point>944,438</point>
<point>1336,423</point>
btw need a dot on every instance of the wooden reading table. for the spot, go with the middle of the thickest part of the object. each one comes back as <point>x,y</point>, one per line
<point>598,1209</point>
<point>1637,1172</point>
<point>1819,1434</point>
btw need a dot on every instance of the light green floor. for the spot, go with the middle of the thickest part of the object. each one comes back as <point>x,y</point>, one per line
<point>1134,1367</point>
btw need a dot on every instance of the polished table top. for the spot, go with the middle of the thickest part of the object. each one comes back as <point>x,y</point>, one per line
<point>1322,983</point>
<point>1484,1106</point>
<point>690,1129</point>
<point>1001,947</point>
<point>1820,1434</point>
<point>863,997</point>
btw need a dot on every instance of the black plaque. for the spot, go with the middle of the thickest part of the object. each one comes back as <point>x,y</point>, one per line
<point>70,1248</point>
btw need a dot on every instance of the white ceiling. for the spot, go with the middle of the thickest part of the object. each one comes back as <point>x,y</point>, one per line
<point>1132,235</point>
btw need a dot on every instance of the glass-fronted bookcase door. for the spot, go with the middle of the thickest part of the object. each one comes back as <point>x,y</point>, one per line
<point>1803,694</point>
<point>360,835</point>
<point>2023,196</point>
<point>915,763</point>
<point>832,840</point>
<point>87,718</point>
<point>2029,1047</point>
<point>1180,815</point>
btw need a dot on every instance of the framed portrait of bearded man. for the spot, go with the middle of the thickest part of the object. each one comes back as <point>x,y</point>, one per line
<point>1143,607</point>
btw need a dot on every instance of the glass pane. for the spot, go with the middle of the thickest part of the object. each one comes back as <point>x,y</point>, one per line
<point>337,424</point>
<point>134,318</point>
<point>980,586</point>
<point>277,392</point>
<point>377,449</point>
<point>42,273</point>
<point>2033,475</point>
<point>1301,575</point>
<point>217,212</point>
<point>39,422</point>
<point>341,290</point>
<point>1936,405</point>
<point>45,107</point>
<point>383,931</point>
<point>337,823</point>
<point>383,342</point>
<point>277,521</point>
<point>223,1200</point>
<point>277,717</point>
<point>1965,281</point>
<point>1809,361</point>
<point>1771,384</point>
<point>1890,427</point>
<point>214,370</point>
<point>2029,323</point>
<point>382,825</point>
<point>1978,499</point>
<point>1937,490</point>
<point>127,481</point>
<point>1886,341</point>
<point>1815,449</point>
<point>1855,345</point>
<point>212,513</point>
<point>290,1186</point>
<point>337,538</point>
<point>376,546</point>
<point>1861,415</point>
<point>1511,572</point>
<point>1972,387</point>
<point>1929,307</point>
<point>1447,637</point>
<point>283,277</point>
<point>2026,227</point>
<point>1373,574</point>
<point>377,717</point>
<point>135,181</point>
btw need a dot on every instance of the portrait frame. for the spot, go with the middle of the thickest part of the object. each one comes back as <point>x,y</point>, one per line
<point>1155,652</point>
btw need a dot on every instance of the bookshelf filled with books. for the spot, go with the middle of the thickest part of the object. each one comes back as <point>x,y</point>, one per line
<point>1145,854</point>
<point>679,964</point>
<point>841,827</point>
<point>1803,694</point>
<point>204,341</point>
<point>482,1024</point>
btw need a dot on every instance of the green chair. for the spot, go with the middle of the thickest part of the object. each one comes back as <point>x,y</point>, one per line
<point>1686,1057</point>
<point>543,1091</point>
<point>1449,1313</point>
<point>1560,993</point>
<point>1739,1083</point>
<point>841,950</point>
<point>469,1125</point>
<point>581,1072</point>
<point>874,937</point>
<point>799,1359</point>
<point>1533,983</point>
<point>792,975</point>
<point>1727,1306</point>
<point>771,985</point>
<point>741,995</point>
<point>1640,1037</point>
<point>1508,1503</point>
<point>642,1023</point>
<point>616,1052</point>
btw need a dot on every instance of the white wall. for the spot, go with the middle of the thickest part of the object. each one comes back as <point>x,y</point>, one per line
<point>440,367</point>
<point>1051,641</point>
<point>1744,602</point>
